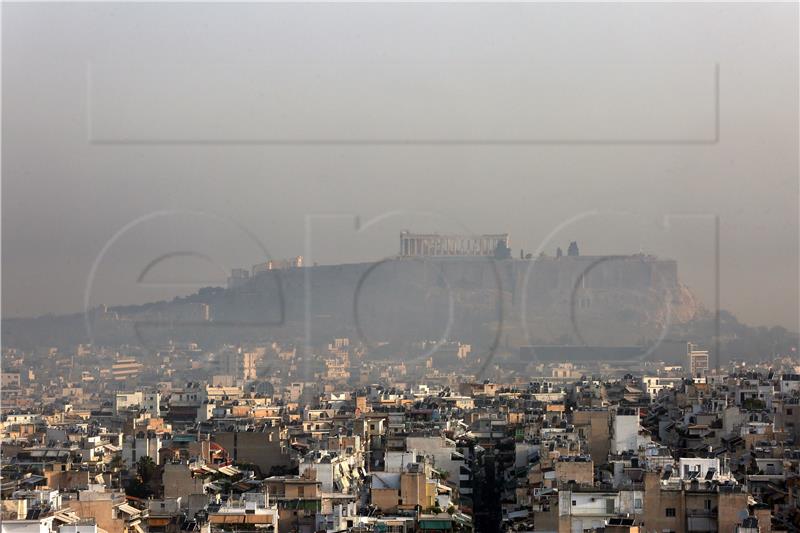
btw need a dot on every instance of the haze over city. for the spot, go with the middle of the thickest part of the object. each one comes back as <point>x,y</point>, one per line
<point>111,113</point>
<point>400,268</point>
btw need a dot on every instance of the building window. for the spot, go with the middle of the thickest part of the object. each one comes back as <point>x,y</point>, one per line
<point>670,511</point>
<point>707,505</point>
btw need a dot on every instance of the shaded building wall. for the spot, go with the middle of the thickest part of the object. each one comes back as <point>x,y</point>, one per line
<point>101,511</point>
<point>179,483</point>
<point>656,503</point>
<point>580,472</point>
<point>262,449</point>
<point>595,426</point>
<point>385,499</point>
<point>413,491</point>
<point>67,480</point>
<point>732,506</point>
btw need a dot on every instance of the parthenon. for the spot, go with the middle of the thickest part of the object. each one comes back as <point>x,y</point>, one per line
<point>437,245</point>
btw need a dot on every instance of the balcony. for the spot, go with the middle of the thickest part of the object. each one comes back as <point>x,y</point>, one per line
<point>701,513</point>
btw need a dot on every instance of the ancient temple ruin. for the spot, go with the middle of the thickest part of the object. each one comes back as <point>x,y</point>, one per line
<point>436,245</point>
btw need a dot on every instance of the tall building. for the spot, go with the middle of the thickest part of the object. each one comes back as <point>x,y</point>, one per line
<point>698,360</point>
<point>239,363</point>
<point>625,430</point>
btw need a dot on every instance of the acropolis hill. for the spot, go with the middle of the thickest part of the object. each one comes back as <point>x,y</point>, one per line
<point>612,299</point>
<point>465,288</point>
<point>461,288</point>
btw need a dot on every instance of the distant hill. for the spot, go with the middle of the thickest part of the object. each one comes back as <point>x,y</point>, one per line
<point>598,300</point>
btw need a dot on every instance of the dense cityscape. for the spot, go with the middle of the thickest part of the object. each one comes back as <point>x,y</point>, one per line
<point>426,435</point>
<point>399,267</point>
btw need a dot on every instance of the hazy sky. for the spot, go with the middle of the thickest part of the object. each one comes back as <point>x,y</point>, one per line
<point>206,134</point>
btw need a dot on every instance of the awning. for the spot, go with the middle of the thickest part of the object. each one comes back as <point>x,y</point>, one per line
<point>129,509</point>
<point>226,519</point>
<point>213,487</point>
<point>68,517</point>
<point>240,519</point>
<point>229,470</point>
<point>462,518</point>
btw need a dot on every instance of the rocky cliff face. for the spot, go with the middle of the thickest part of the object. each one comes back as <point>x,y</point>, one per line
<point>597,300</point>
<point>604,300</point>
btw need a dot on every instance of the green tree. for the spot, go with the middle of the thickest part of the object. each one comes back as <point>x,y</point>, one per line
<point>145,474</point>
<point>146,469</point>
